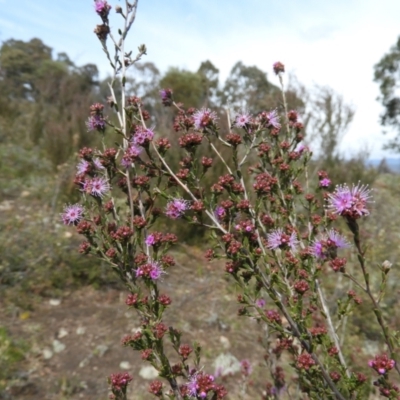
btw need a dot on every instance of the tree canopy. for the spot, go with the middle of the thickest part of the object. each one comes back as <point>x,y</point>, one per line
<point>387,75</point>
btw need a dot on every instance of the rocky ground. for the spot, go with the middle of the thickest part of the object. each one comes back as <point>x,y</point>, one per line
<point>74,341</point>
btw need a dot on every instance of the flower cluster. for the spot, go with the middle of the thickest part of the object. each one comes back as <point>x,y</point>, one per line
<point>274,235</point>
<point>350,202</point>
<point>166,97</point>
<point>278,239</point>
<point>382,364</point>
<point>200,385</point>
<point>176,208</point>
<point>204,118</point>
<point>119,381</point>
<point>72,214</point>
<point>152,270</point>
<point>327,245</point>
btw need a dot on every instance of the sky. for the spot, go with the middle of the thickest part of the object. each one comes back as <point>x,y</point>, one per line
<point>333,43</point>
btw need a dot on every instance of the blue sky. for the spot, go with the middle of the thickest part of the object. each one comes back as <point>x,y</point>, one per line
<point>331,42</point>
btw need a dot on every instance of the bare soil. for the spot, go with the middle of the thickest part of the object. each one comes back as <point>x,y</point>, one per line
<point>75,345</point>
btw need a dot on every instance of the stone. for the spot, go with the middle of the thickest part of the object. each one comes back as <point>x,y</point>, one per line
<point>148,372</point>
<point>226,364</point>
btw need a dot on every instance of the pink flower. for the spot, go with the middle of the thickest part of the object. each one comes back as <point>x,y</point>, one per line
<point>131,153</point>
<point>150,240</point>
<point>325,182</point>
<point>278,239</point>
<point>83,167</point>
<point>166,97</point>
<point>143,136</point>
<point>200,384</point>
<point>260,303</point>
<point>176,208</point>
<point>351,203</point>
<point>119,381</point>
<point>302,148</point>
<point>243,119</point>
<point>278,67</point>
<point>204,118</point>
<point>382,364</point>
<point>328,244</point>
<point>273,119</point>
<point>96,123</point>
<point>246,367</point>
<point>152,270</point>
<point>97,163</point>
<point>102,8</point>
<point>72,214</point>
<point>220,213</point>
<point>97,187</point>
<point>156,271</point>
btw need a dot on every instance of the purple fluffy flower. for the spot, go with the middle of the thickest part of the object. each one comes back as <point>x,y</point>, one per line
<point>246,367</point>
<point>328,244</point>
<point>96,123</point>
<point>260,303</point>
<point>273,119</point>
<point>143,136</point>
<point>150,240</point>
<point>72,214</point>
<point>153,270</point>
<point>204,118</point>
<point>102,8</point>
<point>325,182</point>
<point>97,187</point>
<point>382,364</point>
<point>156,271</point>
<point>134,150</point>
<point>166,97</point>
<point>278,67</point>
<point>83,167</point>
<point>97,163</point>
<point>243,119</point>
<point>351,203</point>
<point>220,213</point>
<point>176,208</point>
<point>278,239</point>
<point>131,153</point>
<point>200,384</point>
<point>302,149</point>
<point>193,386</point>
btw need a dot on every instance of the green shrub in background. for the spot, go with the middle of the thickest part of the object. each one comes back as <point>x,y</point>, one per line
<point>11,353</point>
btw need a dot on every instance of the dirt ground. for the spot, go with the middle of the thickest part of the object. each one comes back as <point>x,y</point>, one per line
<point>75,341</point>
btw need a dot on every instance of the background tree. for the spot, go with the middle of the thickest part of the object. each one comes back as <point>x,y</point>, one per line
<point>47,98</point>
<point>247,88</point>
<point>327,118</point>
<point>186,85</point>
<point>210,80</point>
<point>387,75</point>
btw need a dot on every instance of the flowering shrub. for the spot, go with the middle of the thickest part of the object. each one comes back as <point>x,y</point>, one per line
<point>277,229</point>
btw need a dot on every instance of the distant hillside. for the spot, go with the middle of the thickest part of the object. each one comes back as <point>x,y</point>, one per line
<point>392,163</point>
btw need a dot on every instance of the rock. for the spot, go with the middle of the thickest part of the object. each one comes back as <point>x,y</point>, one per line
<point>62,333</point>
<point>226,364</point>
<point>55,302</point>
<point>58,346</point>
<point>125,365</point>
<point>85,361</point>
<point>47,353</point>
<point>100,350</point>
<point>224,342</point>
<point>80,330</point>
<point>148,372</point>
